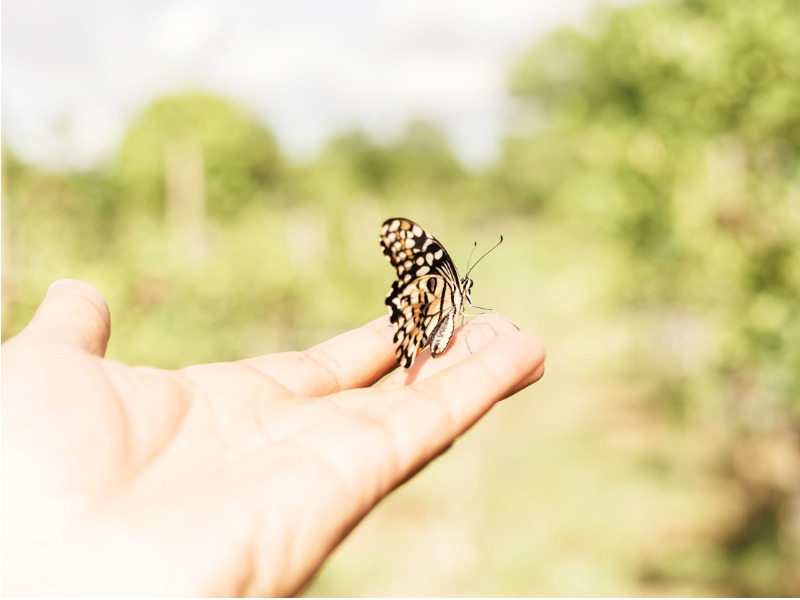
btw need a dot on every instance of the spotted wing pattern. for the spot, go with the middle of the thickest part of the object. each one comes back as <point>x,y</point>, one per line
<point>427,297</point>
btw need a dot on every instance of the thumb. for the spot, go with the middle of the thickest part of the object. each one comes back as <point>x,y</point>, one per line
<point>72,312</point>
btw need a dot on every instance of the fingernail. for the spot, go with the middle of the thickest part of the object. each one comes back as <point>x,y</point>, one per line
<point>75,286</point>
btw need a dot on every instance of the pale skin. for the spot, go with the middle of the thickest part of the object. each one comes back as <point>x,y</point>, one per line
<point>222,479</point>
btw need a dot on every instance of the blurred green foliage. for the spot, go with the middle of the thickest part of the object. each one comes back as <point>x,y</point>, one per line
<point>649,192</point>
<point>676,130</point>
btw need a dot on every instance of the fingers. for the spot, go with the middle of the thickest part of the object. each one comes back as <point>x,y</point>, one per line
<point>450,395</point>
<point>500,367</point>
<point>353,359</point>
<point>72,312</point>
<point>466,340</point>
<point>360,357</point>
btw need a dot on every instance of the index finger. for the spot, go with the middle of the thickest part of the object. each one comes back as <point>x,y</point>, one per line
<point>356,358</point>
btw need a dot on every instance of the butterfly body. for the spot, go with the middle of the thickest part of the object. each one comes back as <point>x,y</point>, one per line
<point>428,296</point>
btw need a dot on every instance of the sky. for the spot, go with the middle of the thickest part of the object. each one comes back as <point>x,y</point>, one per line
<point>75,72</point>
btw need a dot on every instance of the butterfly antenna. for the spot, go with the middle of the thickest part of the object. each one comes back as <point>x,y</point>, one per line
<point>469,269</point>
<point>471,252</point>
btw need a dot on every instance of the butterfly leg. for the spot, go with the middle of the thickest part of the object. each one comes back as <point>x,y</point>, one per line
<point>471,305</point>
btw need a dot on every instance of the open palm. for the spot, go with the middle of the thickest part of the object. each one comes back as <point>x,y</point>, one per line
<point>219,479</point>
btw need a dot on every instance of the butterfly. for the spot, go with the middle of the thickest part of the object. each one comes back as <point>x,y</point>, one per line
<point>428,296</point>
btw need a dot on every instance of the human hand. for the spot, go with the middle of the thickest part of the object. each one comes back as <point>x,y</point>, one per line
<point>221,479</point>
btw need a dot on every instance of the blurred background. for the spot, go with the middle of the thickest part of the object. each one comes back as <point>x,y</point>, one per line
<point>220,172</point>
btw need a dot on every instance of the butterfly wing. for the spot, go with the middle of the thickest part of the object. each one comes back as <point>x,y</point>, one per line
<point>426,299</point>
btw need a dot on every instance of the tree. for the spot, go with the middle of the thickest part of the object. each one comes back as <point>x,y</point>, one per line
<point>238,156</point>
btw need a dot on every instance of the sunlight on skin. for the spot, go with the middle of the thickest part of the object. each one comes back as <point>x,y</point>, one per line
<point>226,478</point>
